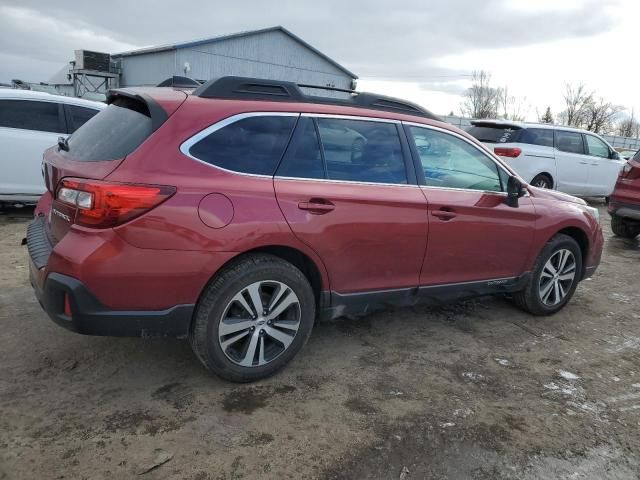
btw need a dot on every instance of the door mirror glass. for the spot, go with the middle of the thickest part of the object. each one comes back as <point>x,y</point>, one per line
<point>515,190</point>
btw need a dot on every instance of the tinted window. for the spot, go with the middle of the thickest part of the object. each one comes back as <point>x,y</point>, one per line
<point>303,158</point>
<point>78,116</point>
<point>537,136</point>
<point>363,151</point>
<point>597,147</point>
<point>495,133</point>
<point>450,162</point>
<point>31,115</point>
<point>569,141</point>
<point>112,134</point>
<point>252,145</point>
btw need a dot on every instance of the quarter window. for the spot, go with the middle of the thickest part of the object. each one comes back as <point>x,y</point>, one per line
<point>537,136</point>
<point>252,145</point>
<point>362,151</point>
<point>597,147</point>
<point>78,116</point>
<point>31,115</point>
<point>570,142</point>
<point>448,161</point>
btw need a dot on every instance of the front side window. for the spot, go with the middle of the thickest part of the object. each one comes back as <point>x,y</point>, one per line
<point>252,145</point>
<point>597,147</point>
<point>570,142</point>
<point>448,161</point>
<point>362,151</point>
<point>31,115</point>
<point>537,136</point>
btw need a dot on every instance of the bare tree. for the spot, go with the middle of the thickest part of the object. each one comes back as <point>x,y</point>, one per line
<point>599,116</point>
<point>576,100</point>
<point>513,108</point>
<point>481,100</point>
<point>547,117</point>
<point>629,127</point>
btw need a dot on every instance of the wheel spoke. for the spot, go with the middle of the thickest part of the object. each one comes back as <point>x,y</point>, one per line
<point>285,303</point>
<point>567,276</point>
<point>279,336</point>
<point>561,290</point>
<point>546,291</point>
<point>243,303</point>
<point>287,324</point>
<point>261,351</point>
<point>256,300</point>
<point>232,340</point>
<point>232,325</point>
<point>550,267</point>
<point>556,293</point>
<point>282,289</point>
<point>247,361</point>
<point>564,256</point>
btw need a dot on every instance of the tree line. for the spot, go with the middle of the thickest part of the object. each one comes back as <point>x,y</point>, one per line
<point>582,108</point>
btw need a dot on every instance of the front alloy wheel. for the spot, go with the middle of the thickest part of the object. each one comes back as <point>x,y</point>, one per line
<point>557,277</point>
<point>259,323</point>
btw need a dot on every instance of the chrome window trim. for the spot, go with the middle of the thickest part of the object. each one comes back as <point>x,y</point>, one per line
<point>349,182</point>
<point>191,141</point>
<point>350,117</point>
<point>485,153</point>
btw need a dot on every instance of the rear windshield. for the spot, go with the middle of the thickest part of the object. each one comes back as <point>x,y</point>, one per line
<point>495,133</point>
<point>112,134</point>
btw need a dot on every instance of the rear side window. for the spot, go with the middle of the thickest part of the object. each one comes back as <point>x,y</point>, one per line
<point>112,134</point>
<point>495,133</point>
<point>252,145</point>
<point>303,158</point>
<point>31,115</point>
<point>78,116</point>
<point>537,136</point>
<point>362,151</point>
<point>570,142</point>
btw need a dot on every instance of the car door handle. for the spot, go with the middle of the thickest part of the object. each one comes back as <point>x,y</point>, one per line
<point>317,206</point>
<point>443,214</point>
<point>584,163</point>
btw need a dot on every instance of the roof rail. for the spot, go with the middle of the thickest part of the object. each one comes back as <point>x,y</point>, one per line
<point>178,81</point>
<point>245,88</point>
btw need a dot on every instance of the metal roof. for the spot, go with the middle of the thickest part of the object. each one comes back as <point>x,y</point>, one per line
<point>194,43</point>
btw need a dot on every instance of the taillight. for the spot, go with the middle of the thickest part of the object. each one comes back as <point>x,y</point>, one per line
<point>105,204</point>
<point>630,170</point>
<point>508,152</point>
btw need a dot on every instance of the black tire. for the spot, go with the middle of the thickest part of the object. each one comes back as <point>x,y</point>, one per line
<point>542,180</point>
<point>218,295</point>
<point>623,229</point>
<point>529,299</point>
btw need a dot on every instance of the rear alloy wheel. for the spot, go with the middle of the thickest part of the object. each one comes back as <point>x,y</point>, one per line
<point>542,181</point>
<point>253,318</point>
<point>623,228</point>
<point>554,278</point>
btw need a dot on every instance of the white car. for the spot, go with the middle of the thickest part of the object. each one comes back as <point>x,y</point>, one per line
<point>31,122</point>
<point>567,159</point>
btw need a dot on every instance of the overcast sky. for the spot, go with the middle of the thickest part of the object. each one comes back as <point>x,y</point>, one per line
<point>421,50</point>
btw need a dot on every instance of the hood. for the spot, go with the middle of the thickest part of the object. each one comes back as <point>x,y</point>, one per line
<point>554,195</point>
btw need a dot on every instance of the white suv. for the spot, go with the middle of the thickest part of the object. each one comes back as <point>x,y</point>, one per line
<point>567,159</point>
<point>31,122</point>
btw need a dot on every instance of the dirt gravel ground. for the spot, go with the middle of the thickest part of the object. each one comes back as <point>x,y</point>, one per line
<point>473,390</point>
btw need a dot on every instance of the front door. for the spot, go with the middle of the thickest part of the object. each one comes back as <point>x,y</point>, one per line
<point>344,188</point>
<point>473,234</point>
<point>603,170</point>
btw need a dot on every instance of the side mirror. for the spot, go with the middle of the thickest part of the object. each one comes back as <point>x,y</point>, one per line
<point>515,190</point>
<point>614,155</point>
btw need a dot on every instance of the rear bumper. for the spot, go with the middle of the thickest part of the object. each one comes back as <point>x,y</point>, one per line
<point>90,317</point>
<point>625,210</point>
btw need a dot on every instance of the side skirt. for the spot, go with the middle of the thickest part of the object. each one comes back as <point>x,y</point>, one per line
<point>336,304</point>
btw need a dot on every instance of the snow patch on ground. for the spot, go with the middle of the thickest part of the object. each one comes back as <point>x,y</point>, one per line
<point>568,375</point>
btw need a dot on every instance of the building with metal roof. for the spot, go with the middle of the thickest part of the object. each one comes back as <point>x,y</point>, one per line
<point>271,53</point>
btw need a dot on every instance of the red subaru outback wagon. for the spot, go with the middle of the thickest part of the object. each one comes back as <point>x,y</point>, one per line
<point>240,212</point>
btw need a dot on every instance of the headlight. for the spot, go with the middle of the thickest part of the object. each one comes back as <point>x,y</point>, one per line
<point>593,212</point>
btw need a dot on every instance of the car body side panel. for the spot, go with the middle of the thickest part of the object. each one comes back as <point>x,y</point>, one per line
<point>534,160</point>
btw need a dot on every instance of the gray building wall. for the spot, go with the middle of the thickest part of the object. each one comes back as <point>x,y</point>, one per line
<point>272,55</point>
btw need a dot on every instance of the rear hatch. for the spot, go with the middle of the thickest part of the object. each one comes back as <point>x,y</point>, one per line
<point>96,149</point>
<point>492,133</point>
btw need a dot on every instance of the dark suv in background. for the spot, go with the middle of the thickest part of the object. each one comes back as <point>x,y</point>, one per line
<point>240,212</point>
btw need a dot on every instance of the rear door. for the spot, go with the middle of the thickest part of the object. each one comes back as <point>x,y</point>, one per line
<point>347,189</point>
<point>603,170</point>
<point>572,163</point>
<point>473,234</point>
<point>27,129</point>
